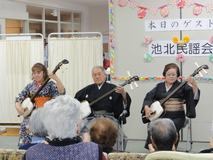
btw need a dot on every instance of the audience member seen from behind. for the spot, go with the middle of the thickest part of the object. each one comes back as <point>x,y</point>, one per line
<point>104,132</point>
<point>163,135</point>
<point>61,117</point>
<point>37,128</point>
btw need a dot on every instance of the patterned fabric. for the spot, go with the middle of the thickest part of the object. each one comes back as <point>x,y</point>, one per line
<point>127,156</point>
<point>78,151</point>
<point>174,104</point>
<point>39,101</point>
<point>49,90</point>
<point>11,154</point>
<point>25,136</point>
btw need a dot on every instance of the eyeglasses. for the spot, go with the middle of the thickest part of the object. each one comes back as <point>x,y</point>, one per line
<point>171,75</point>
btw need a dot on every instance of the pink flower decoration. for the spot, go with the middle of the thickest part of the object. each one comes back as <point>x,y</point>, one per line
<point>172,2</point>
<point>211,39</point>
<point>180,57</point>
<point>189,2</point>
<point>153,10</point>
<point>147,40</point>
<point>209,8</point>
<point>133,4</point>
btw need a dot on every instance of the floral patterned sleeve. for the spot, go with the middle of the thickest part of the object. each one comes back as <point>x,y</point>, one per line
<point>49,90</point>
<point>25,93</point>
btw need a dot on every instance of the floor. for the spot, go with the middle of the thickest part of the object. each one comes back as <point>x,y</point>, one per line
<point>9,140</point>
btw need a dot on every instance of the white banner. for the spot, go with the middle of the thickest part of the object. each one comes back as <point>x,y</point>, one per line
<point>192,48</point>
<point>179,24</point>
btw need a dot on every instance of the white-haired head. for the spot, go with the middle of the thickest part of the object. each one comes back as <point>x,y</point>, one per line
<point>61,117</point>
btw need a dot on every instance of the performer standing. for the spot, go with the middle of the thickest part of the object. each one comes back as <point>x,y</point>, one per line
<point>49,91</point>
<point>112,106</point>
<point>174,106</point>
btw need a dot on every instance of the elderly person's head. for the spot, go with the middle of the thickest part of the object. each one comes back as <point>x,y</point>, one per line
<point>36,124</point>
<point>163,134</point>
<point>104,132</point>
<point>98,75</point>
<point>61,117</point>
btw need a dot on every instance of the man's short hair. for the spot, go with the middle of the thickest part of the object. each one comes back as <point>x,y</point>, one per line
<point>163,133</point>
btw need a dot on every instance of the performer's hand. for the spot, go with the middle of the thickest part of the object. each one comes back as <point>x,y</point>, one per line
<point>122,91</point>
<point>191,81</point>
<point>60,86</point>
<point>53,76</point>
<point>21,110</point>
<point>148,111</point>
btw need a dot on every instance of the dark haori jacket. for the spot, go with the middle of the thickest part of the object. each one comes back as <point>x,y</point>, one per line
<point>112,103</point>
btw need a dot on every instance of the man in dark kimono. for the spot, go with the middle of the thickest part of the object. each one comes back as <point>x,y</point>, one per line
<point>115,105</point>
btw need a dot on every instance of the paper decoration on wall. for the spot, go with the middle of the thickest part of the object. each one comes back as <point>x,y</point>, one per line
<point>185,39</point>
<point>198,79</point>
<point>147,57</point>
<point>211,57</point>
<point>111,36</point>
<point>197,9</point>
<point>209,8</point>
<point>189,3</point>
<point>211,40</point>
<point>147,40</point>
<point>153,10</point>
<point>142,12</point>
<point>133,4</point>
<point>122,3</point>
<point>172,3</point>
<point>181,4</point>
<point>180,57</point>
<point>164,10</point>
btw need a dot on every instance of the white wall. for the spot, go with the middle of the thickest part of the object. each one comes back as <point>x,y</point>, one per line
<point>129,32</point>
<point>99,19</point>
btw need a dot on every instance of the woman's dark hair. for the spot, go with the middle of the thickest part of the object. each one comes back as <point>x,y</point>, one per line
<point>41,67</point>
<point>170,66</point>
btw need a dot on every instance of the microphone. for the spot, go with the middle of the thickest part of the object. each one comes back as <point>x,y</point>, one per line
<point>124,113</point>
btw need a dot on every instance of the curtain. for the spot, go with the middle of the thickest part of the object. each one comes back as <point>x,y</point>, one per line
<point>83,53</point>
<point>17,58</point>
